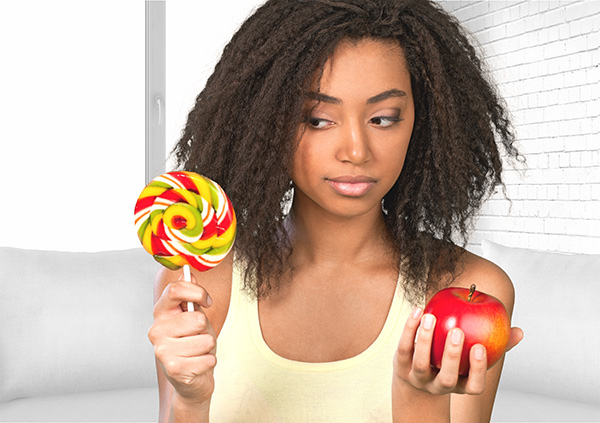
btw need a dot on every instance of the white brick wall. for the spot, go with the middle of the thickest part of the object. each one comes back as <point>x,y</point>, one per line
<point>544,56</point>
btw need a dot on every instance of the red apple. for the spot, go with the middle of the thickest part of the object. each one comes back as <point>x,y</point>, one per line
<point>482,318</point>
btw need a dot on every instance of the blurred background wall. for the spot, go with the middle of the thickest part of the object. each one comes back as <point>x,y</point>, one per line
<point>544,56</point>
<point>72,133</point>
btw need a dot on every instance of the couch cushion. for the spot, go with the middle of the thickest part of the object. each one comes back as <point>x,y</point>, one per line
<point>556,305</point>
<point>515,406</point>
<point>75,322</point>
<point>120,405</point>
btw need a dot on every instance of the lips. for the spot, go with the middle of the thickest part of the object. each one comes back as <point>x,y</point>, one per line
<point>351,186</point>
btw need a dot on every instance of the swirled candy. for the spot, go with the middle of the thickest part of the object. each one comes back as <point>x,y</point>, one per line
<point>185,218</point>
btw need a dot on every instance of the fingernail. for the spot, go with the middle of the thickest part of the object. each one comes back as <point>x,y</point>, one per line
<point>428,321</point>
<point>416,313</point>
<point>479,352</point>
<point>209,300</point>
<point>457,337</point>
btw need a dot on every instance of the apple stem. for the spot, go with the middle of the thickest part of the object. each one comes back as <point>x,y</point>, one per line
<point>471,292</point>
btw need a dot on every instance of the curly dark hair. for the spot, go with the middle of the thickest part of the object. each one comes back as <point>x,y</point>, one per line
<point>242,131</point>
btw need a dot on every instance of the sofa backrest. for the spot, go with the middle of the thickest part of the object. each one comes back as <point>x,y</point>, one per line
<point>75,322</point>
<point>557,304</point>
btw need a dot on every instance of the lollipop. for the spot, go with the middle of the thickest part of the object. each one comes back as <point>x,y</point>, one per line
<point>182,219</point>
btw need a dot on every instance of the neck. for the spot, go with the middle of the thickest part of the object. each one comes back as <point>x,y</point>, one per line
<point>320,239</point>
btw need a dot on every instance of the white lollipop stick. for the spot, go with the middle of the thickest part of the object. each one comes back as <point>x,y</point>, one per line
<point>187,276</point>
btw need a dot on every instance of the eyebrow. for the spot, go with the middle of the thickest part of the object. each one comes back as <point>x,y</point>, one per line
<point>375,99</point>
<point>385,95</point>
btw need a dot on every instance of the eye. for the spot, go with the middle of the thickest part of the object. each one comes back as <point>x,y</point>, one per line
<point>318,123</point>
<point>385,121</point>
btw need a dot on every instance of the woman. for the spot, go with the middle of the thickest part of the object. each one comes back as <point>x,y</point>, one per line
<point>374,119</point>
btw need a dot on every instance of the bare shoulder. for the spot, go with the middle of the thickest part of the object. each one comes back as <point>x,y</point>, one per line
<point>487,276</point>
<point>216,281</point>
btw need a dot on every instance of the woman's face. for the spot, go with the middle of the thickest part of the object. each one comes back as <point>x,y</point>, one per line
<point>352,147</point>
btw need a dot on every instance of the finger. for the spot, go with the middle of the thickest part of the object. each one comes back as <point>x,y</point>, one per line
<point>421,365</point>
<point>516,336</point>
<point>447,378</point>
<point>189,346</point>
<point>406,345</point>
<point>474,384</point>
<point>203,363</point>
<point>194,346</point>
<point>180,292</point>
<point>188,368</point>
<point>178,326</point>
<point>187,276</point>
<point>189,324</point>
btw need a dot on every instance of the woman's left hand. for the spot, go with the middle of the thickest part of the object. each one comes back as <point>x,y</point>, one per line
<point>412,359</point>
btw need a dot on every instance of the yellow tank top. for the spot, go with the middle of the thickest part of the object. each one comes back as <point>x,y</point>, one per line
<point>253,384</point>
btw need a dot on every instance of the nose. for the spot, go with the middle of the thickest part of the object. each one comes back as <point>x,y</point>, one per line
<point>354,144</point>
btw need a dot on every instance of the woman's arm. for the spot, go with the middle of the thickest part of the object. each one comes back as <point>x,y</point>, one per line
<point>492,280</point>
<point>166,334</point>
<point>421,393</point>
<point>184,346</point>
<point>165,389</point>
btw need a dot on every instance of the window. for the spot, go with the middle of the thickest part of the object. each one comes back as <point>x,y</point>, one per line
<point>72,133</point>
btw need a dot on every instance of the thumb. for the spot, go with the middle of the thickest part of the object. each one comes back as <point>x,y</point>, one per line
<point>187,276</point>
<point>516,336</point>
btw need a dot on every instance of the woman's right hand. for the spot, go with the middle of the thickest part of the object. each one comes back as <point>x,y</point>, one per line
<point>184,342</point>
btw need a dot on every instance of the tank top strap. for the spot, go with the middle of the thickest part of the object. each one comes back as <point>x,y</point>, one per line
<point>237,285</point>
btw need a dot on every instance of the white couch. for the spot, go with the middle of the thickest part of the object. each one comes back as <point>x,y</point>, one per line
<point>74,343</point>
<point>74,346</point>
<point>554,374</point>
